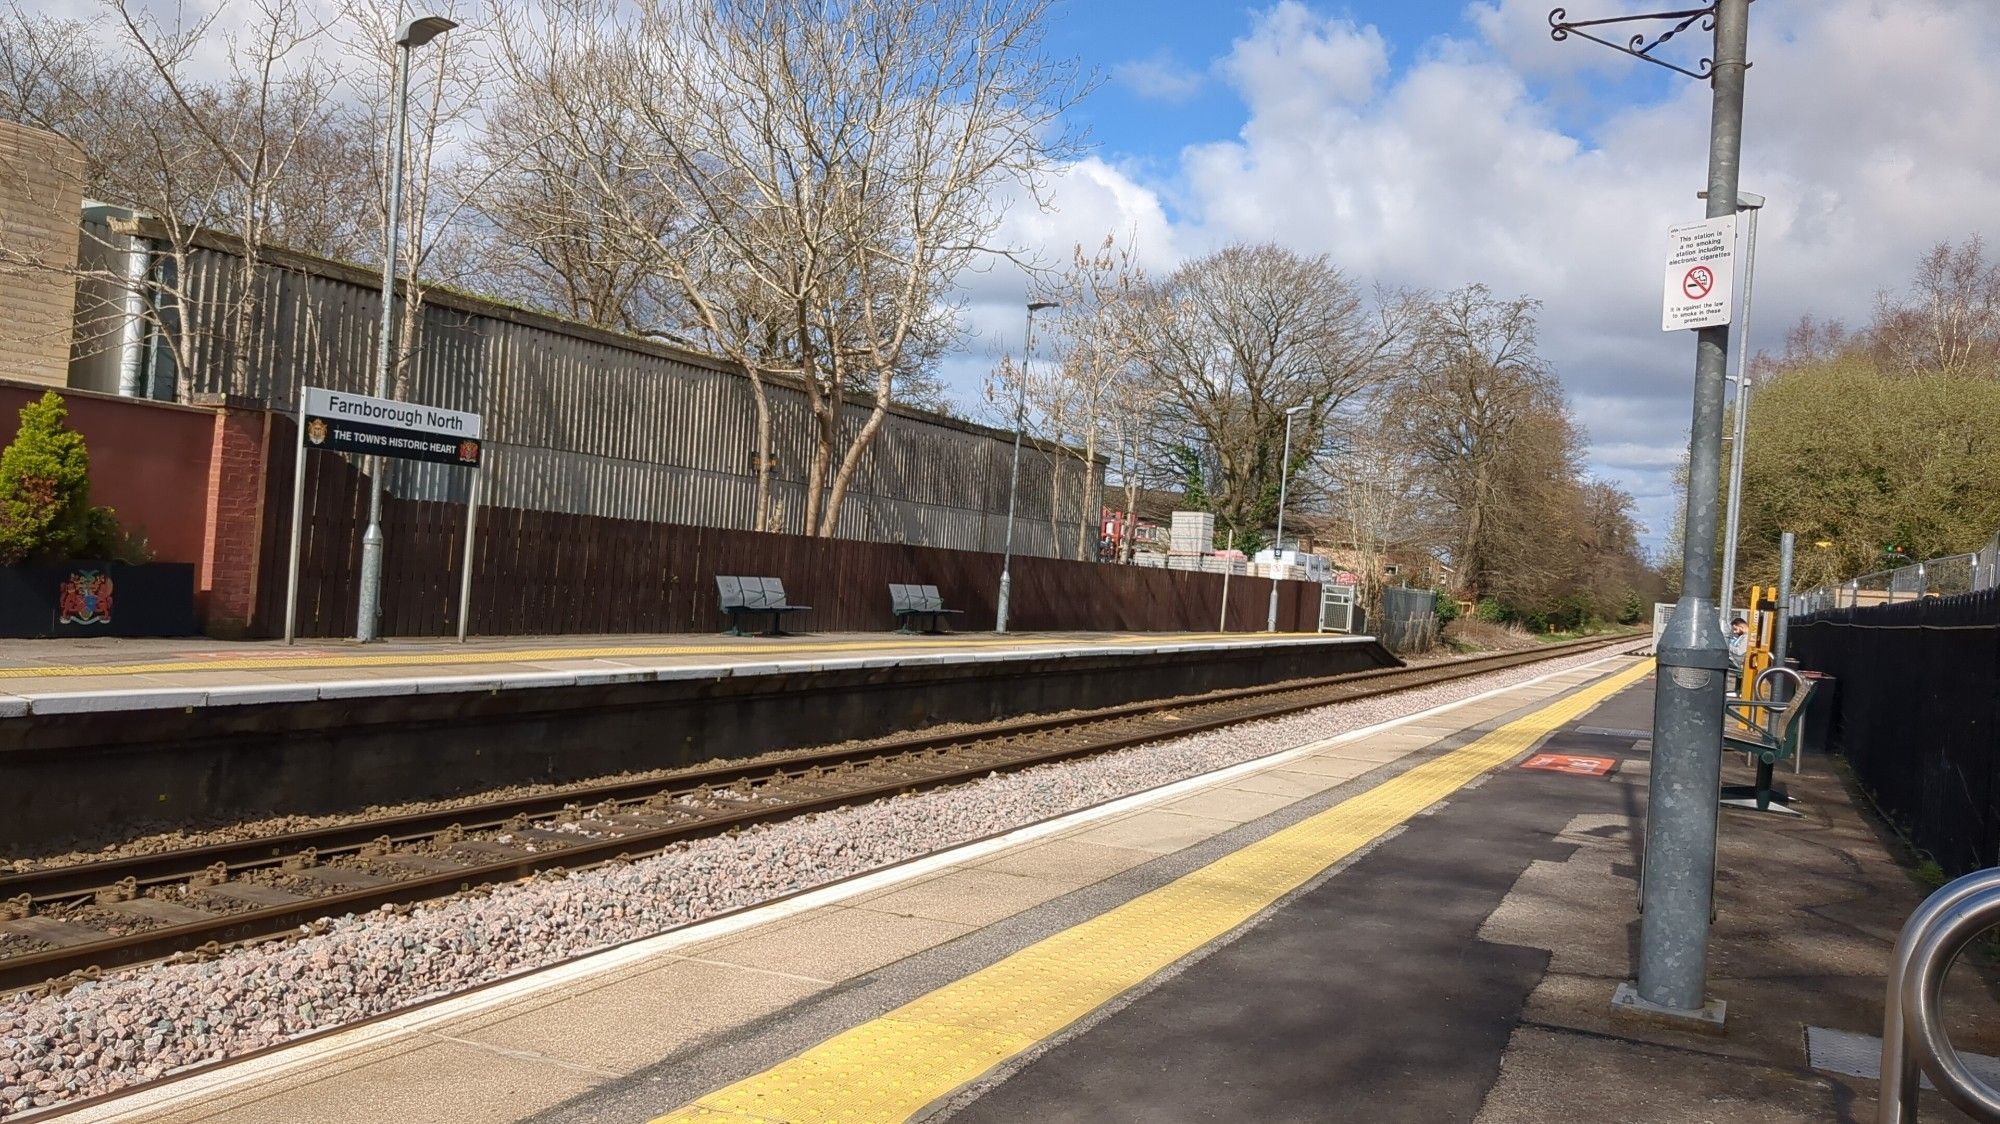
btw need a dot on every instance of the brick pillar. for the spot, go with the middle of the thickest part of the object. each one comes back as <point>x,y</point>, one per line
<point>226,582</point>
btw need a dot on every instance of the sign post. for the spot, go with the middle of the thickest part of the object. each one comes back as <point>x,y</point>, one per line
<point>1700,277</point>
<point>335,421</point>
<point>298,501</point>
<point>465,566</point>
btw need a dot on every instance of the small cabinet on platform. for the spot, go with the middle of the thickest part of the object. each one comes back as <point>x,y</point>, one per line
<point>70,599</point>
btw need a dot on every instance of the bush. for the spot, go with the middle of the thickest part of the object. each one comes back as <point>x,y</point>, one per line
<point>1447,609</point>
<point>1489,611</point>
<point>45,511</point>
<point>44,486</point>
<point>108,539</point>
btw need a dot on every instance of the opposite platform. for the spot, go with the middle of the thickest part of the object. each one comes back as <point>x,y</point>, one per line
<point>207,735</point>
<point>65,676</point>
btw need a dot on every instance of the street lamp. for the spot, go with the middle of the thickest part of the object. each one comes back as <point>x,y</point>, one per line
<point>1014,478</point>
<point>1284,477</point>
<point>413,34</point>
<point>1750,203</point>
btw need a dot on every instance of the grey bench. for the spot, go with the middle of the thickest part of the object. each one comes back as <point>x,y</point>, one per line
<point>738,596</point>
<point>910,602</point>
<point>1767,729</point>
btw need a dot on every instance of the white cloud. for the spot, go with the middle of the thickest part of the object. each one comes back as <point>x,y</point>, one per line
<point>1867,125</point>
<point>1159,78</point>
<point>1089,201</point>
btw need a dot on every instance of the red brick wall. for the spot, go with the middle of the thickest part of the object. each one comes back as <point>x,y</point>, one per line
<point>148,460</point>
<point>226,582</point>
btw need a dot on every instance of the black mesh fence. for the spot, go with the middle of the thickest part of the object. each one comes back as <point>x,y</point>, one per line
<point>1409,620</point>
<point>1917,714</point>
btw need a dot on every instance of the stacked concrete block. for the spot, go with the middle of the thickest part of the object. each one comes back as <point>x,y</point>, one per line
<point>41,198</point>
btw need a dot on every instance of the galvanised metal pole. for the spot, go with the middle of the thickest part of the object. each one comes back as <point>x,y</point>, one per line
<point>1284,478</point>
<point>370,609</point>
<point>1742,327</point>
<point>1784,600</point>
<point>1687,706</point>
<point>1014,477</point>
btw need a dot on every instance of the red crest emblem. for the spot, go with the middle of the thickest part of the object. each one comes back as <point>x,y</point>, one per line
<point>86,598</point>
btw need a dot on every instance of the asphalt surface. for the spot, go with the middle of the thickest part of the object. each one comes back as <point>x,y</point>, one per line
<point>1370,997</point>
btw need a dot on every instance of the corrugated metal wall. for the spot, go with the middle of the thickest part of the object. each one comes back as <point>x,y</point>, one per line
<point>585,422</point>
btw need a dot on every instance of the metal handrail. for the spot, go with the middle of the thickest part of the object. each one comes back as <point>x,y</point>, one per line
<point>1913,1041</point>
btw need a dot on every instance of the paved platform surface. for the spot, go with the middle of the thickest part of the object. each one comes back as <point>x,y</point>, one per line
<point>141,673</point>
<point>1400,924</point>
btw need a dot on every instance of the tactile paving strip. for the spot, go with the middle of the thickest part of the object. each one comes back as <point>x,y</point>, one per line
<point>892,1067</point>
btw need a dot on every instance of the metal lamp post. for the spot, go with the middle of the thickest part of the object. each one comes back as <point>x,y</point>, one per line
<point>1284,478</point>
<point>1745,202</point>
<point>1014,477</point>
<point>413,34</point>
<point>1679,884</point>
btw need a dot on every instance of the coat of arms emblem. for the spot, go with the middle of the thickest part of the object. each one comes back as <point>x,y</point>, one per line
<point>468,452</point>
<point>316,431</point>
<point>86,598</point>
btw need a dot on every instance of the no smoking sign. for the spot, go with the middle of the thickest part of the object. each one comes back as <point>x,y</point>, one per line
<point>1698,282</point>
<point>1699,267</point>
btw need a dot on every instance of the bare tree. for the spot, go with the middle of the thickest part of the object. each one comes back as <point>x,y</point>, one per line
<point>809,181</point>
<point>1467,404</point>
<point>1232,340</point>
<point>1379,494</point>
<point>447,78</point>
<point>257,147</point>
<point>1948,322</point>
<point>1081,400</point>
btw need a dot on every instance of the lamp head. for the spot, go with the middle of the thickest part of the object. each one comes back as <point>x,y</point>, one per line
<point>1037,306</point>
<point>1297,409</point>
<point>423,29</point>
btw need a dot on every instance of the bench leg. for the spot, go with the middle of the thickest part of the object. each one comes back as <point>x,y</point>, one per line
<point>1764,793</point>
<point>735,623</point>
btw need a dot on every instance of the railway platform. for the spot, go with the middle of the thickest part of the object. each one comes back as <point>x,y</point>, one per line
<point>173,732</point>
<point>61,676</point>
<point>1421,920</point>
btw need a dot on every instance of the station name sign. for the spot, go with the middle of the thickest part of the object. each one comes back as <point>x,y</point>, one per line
<point>353,423</point>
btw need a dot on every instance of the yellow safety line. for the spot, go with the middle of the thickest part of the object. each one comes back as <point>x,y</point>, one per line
<point>896,1065</point>
<point>528,655</point>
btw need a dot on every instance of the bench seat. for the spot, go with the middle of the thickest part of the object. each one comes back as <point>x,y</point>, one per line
<point>911,603</point>
<point>738,596</point>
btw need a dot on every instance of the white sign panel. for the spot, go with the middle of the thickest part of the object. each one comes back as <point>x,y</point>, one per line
<point>1700,274</point>
<point>388,412</point>
<point>352,423</point>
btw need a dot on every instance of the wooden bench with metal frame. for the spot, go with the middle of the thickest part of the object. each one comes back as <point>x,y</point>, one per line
<point>737,596</point>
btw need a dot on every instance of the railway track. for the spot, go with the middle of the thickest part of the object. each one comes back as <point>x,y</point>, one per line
<point>64,924</point>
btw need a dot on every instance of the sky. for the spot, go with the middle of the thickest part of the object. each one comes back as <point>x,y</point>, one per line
<point>1435,143</point>
<point>1431,144</point>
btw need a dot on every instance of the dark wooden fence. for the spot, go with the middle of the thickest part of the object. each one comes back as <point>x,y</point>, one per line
<point>545,573</point>
<point>1917,714</point>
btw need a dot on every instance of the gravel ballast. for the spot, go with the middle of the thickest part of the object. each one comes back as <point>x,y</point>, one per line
<point>134,1026</point>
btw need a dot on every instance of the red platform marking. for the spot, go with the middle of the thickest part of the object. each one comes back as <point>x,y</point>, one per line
<point>1565,763</point>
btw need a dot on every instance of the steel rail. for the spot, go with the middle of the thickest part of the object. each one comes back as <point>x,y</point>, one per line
<point>28,970</point>
<point>1914,1041</point>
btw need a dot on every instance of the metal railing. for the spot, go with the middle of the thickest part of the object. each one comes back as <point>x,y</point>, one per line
<point>1914,1041</point>
<point>1933,577</point>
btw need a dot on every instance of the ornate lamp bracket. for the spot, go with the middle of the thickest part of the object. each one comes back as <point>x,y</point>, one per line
<point>1561,27</point>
